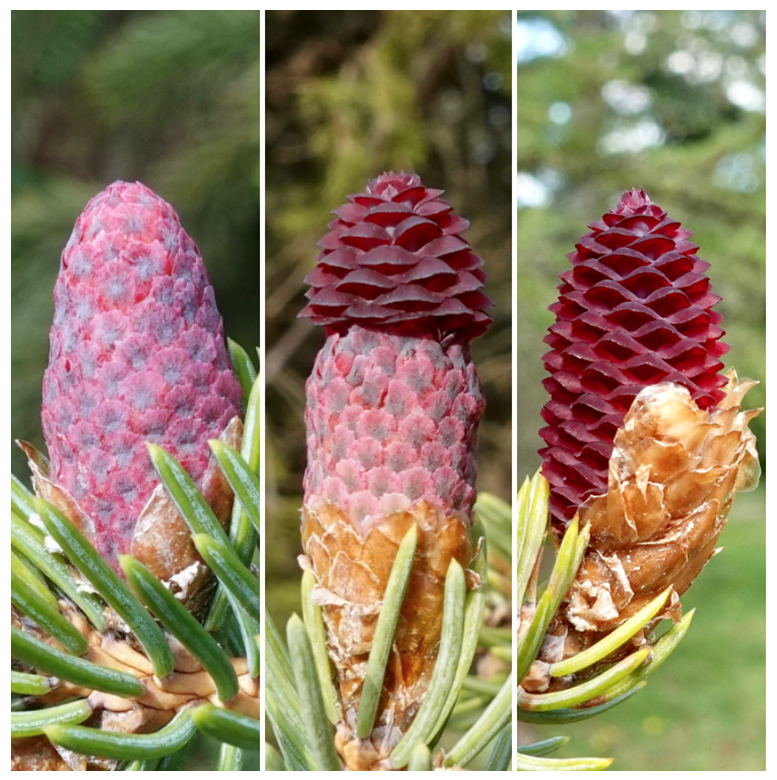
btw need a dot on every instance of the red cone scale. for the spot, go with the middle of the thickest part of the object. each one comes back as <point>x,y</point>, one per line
<point>137,355</point>
<point>635,309</point>
<point>394,255</point>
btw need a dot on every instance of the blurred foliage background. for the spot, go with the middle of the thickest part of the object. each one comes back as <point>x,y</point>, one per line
<point>674,102</point>
<point>169,98</point>
<point>349,95</point>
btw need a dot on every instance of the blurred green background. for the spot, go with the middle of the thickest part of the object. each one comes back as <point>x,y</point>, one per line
<point>350,95</point>
<point>169,98</point>
<point>671,101</point>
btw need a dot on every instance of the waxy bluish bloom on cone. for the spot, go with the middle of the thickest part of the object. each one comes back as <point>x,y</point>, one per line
<point>645,437</point>
<point>137,355</point>
<point>393,405</point>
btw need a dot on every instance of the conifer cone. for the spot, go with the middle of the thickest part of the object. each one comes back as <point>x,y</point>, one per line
<point>646,440</point>
<point>137,355</point>
<point>393,405</point>
<point>635,309</point>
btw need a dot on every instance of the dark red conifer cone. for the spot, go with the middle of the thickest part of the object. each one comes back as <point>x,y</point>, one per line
<point>394,256</point>
<point>635,309</point>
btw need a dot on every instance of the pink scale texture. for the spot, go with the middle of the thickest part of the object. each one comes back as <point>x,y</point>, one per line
<point>394,401</point>
<point>137,355</point>
<point>371,457</point>
<point>635,309</point>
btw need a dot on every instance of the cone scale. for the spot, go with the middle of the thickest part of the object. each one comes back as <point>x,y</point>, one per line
<point>393,405</point>
<point>646,440</point>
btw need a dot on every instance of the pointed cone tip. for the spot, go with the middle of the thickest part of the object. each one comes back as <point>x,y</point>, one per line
<point>632,202</point>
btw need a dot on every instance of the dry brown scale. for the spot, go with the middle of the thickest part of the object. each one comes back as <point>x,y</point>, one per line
<point>673,475</point>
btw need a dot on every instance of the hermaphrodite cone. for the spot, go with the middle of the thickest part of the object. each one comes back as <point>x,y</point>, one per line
<point>137,355</point>
<point>646,440</point>
<point>393,405</point>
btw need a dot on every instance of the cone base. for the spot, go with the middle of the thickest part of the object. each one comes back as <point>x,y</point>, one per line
<point>352,573</point>
<point>673,475</point>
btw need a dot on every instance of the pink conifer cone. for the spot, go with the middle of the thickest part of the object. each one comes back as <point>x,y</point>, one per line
<point>393,405</point>
<point>137,355</point>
